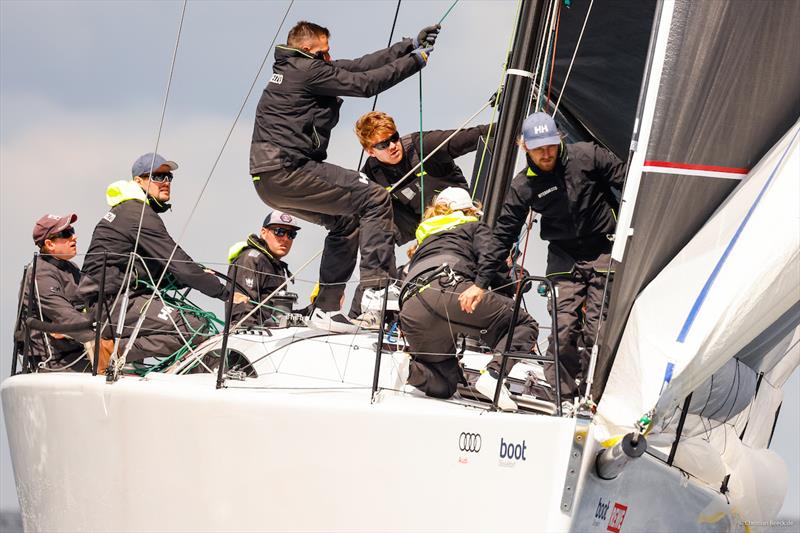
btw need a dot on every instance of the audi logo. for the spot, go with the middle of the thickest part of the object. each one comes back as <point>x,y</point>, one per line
<point>469,442</point>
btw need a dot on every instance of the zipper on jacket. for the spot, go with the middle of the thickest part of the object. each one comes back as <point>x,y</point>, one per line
<point>315,137</point>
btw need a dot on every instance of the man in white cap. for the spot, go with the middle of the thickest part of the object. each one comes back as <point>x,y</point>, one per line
<point>573,188</point>
<point>450,254</point>
<point>261,269</point>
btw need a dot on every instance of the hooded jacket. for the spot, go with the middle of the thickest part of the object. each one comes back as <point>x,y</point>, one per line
<point>576,203</point>
<point>300,105</point>
<point>116,235</point>
<point>258,275</point>
<point>441,172</point>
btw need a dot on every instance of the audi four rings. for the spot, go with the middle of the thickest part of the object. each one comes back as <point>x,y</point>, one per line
<point>469,442</point>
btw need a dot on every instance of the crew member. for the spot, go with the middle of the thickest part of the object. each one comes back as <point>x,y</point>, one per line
<point>297,112</point>
<point>451,254</point>
<point>117,235</point>
<point>56,301</point>
<point>572,188</point>
<point>260,267</point>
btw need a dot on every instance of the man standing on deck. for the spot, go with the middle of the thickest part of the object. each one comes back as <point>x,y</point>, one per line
<point>261,269</point>
<point>571,188</point>
<point>296,114</point>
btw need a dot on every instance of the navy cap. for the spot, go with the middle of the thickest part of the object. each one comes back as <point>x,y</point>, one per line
<point>279,218</point>
<point>539,130</point>
<point>143,164</point>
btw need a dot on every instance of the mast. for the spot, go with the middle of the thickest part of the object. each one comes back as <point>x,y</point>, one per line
<point>514,106</point>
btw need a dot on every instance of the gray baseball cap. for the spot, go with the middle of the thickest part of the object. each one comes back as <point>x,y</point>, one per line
<point>279,218</point>
<point>539,130</point>
<point>143,163</point>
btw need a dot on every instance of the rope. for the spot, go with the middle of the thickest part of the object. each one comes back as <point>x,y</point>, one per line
<point>449,9</point>
<point>421,158</point>
<point>553,56</point>
<point>375,101</point>
<point>574,53</point>
<point>216,161</point>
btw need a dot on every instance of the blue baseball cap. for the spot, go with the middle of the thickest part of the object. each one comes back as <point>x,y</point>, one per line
<point>539,130</point>
<point>143,164</point>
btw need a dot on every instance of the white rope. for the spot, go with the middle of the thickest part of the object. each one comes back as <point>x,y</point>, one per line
<point>550,33</point>
<point>572,61</point>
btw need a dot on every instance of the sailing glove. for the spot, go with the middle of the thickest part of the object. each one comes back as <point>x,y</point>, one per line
<point>421,55</point>
<point>427,36</point>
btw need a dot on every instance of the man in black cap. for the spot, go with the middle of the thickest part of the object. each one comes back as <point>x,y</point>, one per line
<point>260,267</point>
<point>118,234</point>
<point>573,188</point>
<point>296,114</point>
<point>56,300</point>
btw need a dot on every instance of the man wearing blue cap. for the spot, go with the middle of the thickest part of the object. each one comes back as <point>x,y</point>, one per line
<point>570,187</point>
<point>261,269</point>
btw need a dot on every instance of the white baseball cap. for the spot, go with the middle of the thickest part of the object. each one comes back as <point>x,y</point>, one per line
<point>456,198</point>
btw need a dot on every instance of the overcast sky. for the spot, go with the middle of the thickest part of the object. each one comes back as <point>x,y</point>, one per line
<point>81,90</point>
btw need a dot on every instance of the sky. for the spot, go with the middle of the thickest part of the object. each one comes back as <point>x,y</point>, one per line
<point>82,86</point>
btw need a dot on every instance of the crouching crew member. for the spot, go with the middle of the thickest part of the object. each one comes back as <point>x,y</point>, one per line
<point>570,186</point>
<point>260,267</point>
<point>294,119</point>
<point>451,254</point>
<point>56,300</point>
<point>145,197</point>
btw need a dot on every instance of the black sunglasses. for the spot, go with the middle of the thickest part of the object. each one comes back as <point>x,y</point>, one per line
<point>159,177</point>
<point>281,232</point>
<point>63,234</point>
<point>383,145</point>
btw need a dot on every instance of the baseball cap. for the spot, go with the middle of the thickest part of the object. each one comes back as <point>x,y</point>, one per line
<point>455,198</point>
<point>143,163</point>
<point>50,224</point>
<point>279,217</point>
<point>538,130</point>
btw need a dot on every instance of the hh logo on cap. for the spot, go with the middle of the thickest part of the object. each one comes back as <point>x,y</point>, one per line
<point>541,128</point>
<point>286,218</point>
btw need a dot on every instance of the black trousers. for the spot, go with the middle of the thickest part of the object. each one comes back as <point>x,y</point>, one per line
<point>351,207</point>
<point>579,299</point>
<point>432,320</point>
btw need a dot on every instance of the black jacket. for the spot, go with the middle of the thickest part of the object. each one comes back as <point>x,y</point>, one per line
<point>116,234</point>
<point>258,275</point>
<point>300,105</point>
<point>441,172</point>
<point>576,204</point>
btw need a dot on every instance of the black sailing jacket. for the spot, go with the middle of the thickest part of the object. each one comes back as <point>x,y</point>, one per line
<point>258,275</point>
<point>116,234</point>
<point>300,105</point>
<point>576,204</point>
<point>441,172</point>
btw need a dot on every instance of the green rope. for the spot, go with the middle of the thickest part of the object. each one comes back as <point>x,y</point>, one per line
<point>421,157</point>
<point>448,11</point>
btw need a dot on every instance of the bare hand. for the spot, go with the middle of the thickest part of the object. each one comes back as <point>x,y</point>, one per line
<point>239,298</point>
<point>58,336</point>
<point>470,298</point>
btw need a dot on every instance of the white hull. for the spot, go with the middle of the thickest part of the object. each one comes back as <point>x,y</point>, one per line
<point>172,453</point>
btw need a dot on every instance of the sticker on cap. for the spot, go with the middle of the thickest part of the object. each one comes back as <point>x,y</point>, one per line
<point>286,218</point>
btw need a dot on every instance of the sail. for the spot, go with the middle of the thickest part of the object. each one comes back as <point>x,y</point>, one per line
<point>722,86</point>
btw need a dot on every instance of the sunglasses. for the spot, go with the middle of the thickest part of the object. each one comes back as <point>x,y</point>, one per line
<point>63,234</point>
<point>159,177</point>
<point>283,232</point>
<point>383,145</point>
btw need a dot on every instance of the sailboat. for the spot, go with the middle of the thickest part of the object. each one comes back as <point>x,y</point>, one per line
<point>312,432</point>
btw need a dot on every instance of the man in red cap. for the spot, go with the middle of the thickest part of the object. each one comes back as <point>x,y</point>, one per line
<point>55,299</point>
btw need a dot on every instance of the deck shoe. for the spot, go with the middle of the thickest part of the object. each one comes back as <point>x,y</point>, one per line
<point>370,320</point>
<point>487,384</point>
<point>372,300</point>
<point>333,321</point>
<point>401,363</point>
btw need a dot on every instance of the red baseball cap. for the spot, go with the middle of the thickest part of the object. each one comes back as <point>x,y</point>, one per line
<point>50,224</point>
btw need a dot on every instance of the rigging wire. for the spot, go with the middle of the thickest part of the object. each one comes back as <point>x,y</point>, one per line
<point>449,9</point>
<point>553,57</point>
<point>375,100</point>
<point>214,166</point>
<point>574,53</point>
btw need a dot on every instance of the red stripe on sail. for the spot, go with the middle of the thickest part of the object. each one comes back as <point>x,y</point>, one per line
<point>687,166</point>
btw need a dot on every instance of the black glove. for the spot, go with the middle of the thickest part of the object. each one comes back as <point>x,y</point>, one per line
<point>427,36</point>
<point>494,97</point>
<point>421,54</point>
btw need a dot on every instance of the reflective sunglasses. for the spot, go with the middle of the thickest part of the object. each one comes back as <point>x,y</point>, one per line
<point>383,145</point>
<point>63,234</point>
<point>283,232</point>
<point>159,177</point>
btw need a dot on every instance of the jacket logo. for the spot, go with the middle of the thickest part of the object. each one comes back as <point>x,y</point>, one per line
<point>363,178</point>
<point>110,216</point>
<point>276,79</point>
<point>541,128</point>
<point>547,191</point>
<point>248,282</point>
<point>164,313</point>
<point>253,253</point>
<point>55,289</point>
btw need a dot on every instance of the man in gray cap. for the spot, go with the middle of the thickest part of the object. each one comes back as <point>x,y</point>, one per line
<point>572,189</point>
<point>260,267</point>
<point>55,299</point>
<point>135,202</point>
